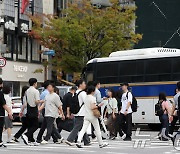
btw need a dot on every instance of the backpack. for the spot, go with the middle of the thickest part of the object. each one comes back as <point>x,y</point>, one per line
<point>158,109</point>
<point>134,103</point>
<point>75,107</point>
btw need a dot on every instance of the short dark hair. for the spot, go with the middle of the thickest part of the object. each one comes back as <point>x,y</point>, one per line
<point>113,92</point>
<point>79,82</point>
<point>32,81</point>
<point>178,85</point>
<point>1,81</point>
<point>90,83</point>
<point>56,90</point>
<point>46,83</point>
<point>95,83</point>
<point>53,85</point>
<point>6,89</point>
<point>90,89</point>
<point>73,88</point>
<point>24,89</point>
<point>162,96</point>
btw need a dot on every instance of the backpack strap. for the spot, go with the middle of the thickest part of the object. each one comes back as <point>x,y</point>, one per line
<point>78,98</point>
<point>127,94</point>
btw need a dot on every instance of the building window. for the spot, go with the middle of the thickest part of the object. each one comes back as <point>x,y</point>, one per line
<point>9,41</point>
<point>35,51</point>
<point>22,48</point>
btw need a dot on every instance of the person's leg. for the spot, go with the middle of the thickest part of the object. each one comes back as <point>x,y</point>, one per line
<point>1,128</point>
<point>92,132</point>
<point>22,129</point>
<point>122,124</point>
<point>42,130</point>
<point>9,132</point>
<point>55,134</point>
<point>33,126</point>
<point>129,124</point>
<point>77,127</point>
<point>95,123</point>
<point>173,124</point>
<point>83,130</point>
<point>50,122</point>
<point>110,126</point>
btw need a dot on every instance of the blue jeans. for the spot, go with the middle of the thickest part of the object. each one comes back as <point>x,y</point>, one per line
<point>164,119</point>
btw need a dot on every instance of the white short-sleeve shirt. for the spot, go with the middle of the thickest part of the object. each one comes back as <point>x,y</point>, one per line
<point>125,101</point>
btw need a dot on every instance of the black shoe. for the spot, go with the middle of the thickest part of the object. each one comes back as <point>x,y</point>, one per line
<point>79,145</point>
<point>15,140</point>
<point>128,139</point>
<point>2,145</point>
<point>88,144</point>
<point>103,138</point>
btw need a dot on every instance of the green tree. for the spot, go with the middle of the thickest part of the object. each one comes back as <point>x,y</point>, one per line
<point>85,32</point>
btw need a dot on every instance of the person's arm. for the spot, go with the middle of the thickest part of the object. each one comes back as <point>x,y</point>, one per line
<point>8,110</point>
<point>23,106</point>
<point>114,107</point>
<point>129,102</point>
<point>37,98</point>
<point>41,107</point>
<point>58,104</point>
<point>98,97</point>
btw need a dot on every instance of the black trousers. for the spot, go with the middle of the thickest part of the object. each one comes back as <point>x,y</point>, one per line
<point>173,124</point>
<point>42,130</point>
<point>23,128</point>
<point>51,129</point>
<point>118,128</point>
<point>32,127</point>
<point>1,127</point>
<point>126,124</point>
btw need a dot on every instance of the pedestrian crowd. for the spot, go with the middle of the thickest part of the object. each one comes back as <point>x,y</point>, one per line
<point>76,111</point>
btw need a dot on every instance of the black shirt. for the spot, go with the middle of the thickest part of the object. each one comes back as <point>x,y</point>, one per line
<point>67,100</point>
<point>2,103</point>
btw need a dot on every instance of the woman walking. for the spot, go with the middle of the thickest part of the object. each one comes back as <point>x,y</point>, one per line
<point>7,121</point>
<point>91,117</point>
<point>165,117</point>
<point>111,113</point>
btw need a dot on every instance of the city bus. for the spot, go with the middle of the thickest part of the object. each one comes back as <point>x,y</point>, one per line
<point>149,72</point>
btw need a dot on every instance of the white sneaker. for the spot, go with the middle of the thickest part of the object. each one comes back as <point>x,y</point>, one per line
<point>44,142</point>
<point>170,135</point>
<point>11,141</point>
<point>60,140</point>
<point>103,145</point>
<point>123,137</point>
<point>25,139</point>
<point>36,144</point>
<point>94,139</point>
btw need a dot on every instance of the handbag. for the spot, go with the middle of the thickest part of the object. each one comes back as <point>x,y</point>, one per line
<point>96,113</point>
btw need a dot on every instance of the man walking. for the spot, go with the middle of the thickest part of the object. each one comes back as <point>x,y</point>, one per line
<point>53,106</point>
<point>32,99</point>
<point>44,124</point>
<point>126,112</point>
<point>79,117</point>
<point>67,124</point>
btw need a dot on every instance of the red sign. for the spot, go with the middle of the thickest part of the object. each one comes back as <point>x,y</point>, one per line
<point>2,62</point>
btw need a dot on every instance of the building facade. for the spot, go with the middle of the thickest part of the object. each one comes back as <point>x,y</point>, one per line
<point>20,50</point>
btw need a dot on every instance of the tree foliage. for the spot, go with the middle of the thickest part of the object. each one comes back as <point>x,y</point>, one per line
<point>85,32</point>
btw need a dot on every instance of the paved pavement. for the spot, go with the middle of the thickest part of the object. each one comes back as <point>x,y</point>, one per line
<point>144,142</point>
